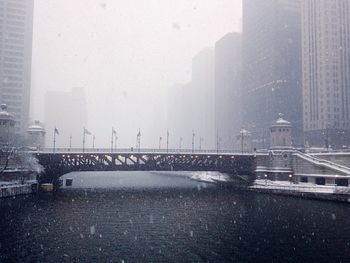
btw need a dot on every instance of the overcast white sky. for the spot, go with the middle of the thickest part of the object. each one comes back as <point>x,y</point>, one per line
<point>125,53</point>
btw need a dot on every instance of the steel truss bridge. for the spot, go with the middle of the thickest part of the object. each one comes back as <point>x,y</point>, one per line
<point>62,161</point>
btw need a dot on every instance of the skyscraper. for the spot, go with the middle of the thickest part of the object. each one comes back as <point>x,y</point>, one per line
<point>326,71</point>
<point>271,66</point>
<point>228,82</point>
<point>16,28</point>
<point>191,106</point>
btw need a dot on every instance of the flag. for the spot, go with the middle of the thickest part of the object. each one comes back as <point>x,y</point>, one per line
<point>86,131</point>
<point>139,134</point>
<point>56,131</point>
<point>114,132</point>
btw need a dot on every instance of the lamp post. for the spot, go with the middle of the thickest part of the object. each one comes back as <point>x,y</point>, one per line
<point>160,142</point>
<point>180,144</point>
<point>290,178</point>
<point>201,139</point>
<point>70,142</point>
<point>218,140</point>
<point>112,138</point>
<point>265,175</point>
<point>242,139</point>
<point>85,132</point>
<point>54,138</point>
<point>138,138</point>
<point>93,141</point>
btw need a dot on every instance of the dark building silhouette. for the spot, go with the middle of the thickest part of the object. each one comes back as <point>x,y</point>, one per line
<point>191,105</point>
<point>272,66</point>
<point>228,84</point>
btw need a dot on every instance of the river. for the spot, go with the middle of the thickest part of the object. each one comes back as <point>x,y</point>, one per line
<point>169,217</point>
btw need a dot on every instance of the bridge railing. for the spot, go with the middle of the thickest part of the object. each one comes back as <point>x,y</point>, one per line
<point>136,151</point>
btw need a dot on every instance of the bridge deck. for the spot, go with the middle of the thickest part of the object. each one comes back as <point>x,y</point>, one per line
<point>61,162</point>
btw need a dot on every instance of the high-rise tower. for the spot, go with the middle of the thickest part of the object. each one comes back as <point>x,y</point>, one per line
<point>271,66</point>
<point>326,71</point>
<point>16,29</point>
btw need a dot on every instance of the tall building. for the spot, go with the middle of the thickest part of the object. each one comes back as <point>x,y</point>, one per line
<point>228,82</point>
<point>191,106</point>
<point>271,66</point>
<point>67,111</point>
<point>326,71</point>
<point>203,94</point>
<point>16,30</point>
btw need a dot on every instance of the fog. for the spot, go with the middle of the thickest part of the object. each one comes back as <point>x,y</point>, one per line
<point>125,55</point>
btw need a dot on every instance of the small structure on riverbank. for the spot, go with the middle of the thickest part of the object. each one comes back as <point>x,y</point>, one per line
<point>36,135</point>
<point>283,163</point>
<point>281,134</point>
<point>244,142</point>
<point>7,126</point>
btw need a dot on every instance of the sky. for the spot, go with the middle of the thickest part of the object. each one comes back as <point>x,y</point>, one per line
<point>125,54</point>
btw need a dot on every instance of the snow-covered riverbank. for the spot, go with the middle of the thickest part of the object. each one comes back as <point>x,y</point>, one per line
<point>300,187</point>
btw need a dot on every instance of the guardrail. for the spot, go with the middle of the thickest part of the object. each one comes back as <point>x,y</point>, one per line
<point>305,189</point>
<point>322,161</point>
<point>142,150</point>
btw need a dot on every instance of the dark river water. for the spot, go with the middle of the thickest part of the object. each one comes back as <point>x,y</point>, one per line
<point>148,217</point>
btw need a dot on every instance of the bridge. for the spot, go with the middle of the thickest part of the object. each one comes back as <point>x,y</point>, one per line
<point>62,161</point>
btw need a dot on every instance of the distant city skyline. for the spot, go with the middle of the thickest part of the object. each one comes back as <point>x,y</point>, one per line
<point>125,54</point>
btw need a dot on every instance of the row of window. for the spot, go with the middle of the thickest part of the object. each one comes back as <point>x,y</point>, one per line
<point>280,130</point>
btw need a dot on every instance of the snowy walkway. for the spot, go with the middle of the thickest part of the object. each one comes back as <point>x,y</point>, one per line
<point>301,187</point>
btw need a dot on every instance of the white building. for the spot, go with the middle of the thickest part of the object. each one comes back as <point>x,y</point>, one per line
<point>36,135</point>
<point>281,134</point>
<point>7,126</point>
<point>16,26</point>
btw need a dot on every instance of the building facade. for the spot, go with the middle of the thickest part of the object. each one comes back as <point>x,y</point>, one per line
<point>228,82</point>
<point>326,72</point>
<point>191,106</point>
<point>16,30</point>
<point>271,67</point>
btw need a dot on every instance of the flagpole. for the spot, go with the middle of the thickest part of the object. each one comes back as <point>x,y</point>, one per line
<point>83,139</point>
<point>54,139</point>
<point>167,141</point>
<point>112,140</point>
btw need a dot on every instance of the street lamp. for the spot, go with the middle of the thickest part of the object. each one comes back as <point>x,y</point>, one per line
<point>180,143</point>
<point>138,138</point>
<point>201,139</point>
<point>70,142</point>
<point>290,178</point>
<point>114,133</point>
<point>218,140</point>
<point>265,175</point>
<point>85,132</point>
